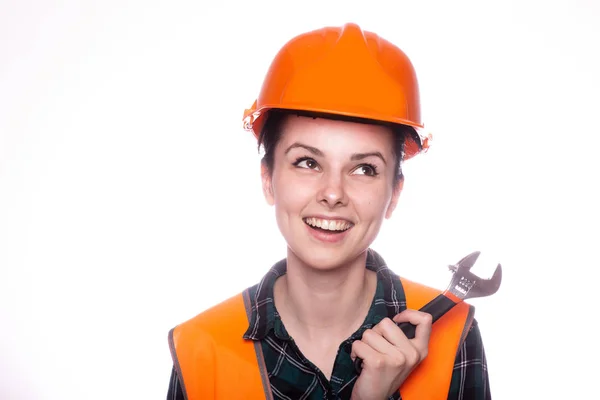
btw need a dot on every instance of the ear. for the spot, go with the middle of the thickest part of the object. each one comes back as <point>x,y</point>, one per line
<point>267,184</point>
<point>395,197</point>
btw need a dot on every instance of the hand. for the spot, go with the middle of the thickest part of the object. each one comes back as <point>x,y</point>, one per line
<point>389,356</point>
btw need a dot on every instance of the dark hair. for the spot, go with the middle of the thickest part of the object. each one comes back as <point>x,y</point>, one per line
<point>271,134</point>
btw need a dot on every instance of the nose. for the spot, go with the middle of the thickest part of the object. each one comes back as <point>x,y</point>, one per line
<point>332,192</point>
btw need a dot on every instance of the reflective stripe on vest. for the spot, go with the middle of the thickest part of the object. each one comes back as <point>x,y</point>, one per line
<point>214,361</point>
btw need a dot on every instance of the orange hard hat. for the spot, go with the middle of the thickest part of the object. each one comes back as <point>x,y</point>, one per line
<point>343,71</point>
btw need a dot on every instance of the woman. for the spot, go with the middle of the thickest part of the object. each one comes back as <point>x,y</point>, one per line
<point>337,115</point>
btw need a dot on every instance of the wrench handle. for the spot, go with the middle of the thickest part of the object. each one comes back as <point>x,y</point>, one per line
<point>437,307</point>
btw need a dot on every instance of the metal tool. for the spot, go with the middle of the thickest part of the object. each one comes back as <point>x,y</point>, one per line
<point>464,285</point>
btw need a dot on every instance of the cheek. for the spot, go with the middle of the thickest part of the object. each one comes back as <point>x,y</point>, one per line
<point>291,194</point>
<point>371,203</point>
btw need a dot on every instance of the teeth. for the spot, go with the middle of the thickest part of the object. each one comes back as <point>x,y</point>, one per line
<point>330,225</point>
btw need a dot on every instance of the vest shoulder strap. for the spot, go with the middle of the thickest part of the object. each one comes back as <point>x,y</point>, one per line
<point>432,377</point>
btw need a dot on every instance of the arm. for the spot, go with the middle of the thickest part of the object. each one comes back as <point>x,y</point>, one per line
<point>470,375</point>
<point>175,392</point>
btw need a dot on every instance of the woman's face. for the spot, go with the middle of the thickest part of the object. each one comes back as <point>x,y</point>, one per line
<point>332,184</point>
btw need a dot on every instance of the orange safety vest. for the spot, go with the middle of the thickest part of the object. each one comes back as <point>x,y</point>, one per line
<point>214,361</point>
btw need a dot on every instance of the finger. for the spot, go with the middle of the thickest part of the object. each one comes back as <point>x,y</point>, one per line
<point>392,333</point>
<point>422,322</point>
<point>383,339</point>
<point>365,352</point>
<point>399,347</point>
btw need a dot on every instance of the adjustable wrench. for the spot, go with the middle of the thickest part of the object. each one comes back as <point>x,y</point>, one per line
<point>464,285</point>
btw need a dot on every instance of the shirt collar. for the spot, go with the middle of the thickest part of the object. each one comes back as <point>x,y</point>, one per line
<point>388,301</point>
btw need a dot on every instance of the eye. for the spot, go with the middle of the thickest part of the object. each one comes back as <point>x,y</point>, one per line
<point>306,162</point>
<point>367,169</point>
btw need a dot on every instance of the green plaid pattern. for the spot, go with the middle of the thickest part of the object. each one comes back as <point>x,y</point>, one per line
<point>293,377</point>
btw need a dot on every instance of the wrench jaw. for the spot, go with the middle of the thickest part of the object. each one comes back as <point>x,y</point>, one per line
<point>466,263</point>
<point>487,287</point>
<point>466,285</point>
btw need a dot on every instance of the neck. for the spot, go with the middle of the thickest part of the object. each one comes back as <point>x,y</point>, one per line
<point>312,301</point>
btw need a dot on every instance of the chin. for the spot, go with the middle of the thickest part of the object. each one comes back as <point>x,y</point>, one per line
<point>322,259</point>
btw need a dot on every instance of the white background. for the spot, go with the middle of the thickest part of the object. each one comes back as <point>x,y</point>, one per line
<point>130,196</point>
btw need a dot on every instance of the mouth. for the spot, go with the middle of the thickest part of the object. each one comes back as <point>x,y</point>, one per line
<point>331,226</point>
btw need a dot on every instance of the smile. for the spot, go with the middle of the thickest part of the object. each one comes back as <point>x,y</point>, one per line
<point>331,225</point>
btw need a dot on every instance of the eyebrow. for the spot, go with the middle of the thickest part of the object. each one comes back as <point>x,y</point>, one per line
<point>360,156</point>
<point>313,150</point>
<point>354,157</point>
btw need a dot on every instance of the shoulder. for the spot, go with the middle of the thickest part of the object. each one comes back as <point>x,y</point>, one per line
<point>471,352</point>
<point>221,314</point>
<point>473,340</point>
<point>470,378</point>
<point>417,294</point>
<point>412,286</point>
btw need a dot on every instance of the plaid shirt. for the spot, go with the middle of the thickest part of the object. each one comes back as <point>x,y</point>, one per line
<point>292,376</point>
